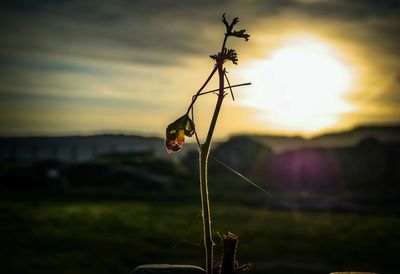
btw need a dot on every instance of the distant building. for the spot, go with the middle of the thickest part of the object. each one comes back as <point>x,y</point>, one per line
<point>76,148</point>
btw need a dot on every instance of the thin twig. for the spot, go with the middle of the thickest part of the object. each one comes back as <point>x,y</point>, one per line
<point>217,89</point>
<point>194,98</point>
<point>229,85</point>
<point>195,131</point>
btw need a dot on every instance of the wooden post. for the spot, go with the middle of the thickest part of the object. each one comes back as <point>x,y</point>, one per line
<point>229,263</point>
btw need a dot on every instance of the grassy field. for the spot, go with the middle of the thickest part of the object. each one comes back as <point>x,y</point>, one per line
<point>50,236</point>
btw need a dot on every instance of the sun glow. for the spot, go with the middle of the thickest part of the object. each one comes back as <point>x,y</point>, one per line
<point>301,87</point>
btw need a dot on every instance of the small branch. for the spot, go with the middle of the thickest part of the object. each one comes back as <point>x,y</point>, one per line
<point>217,89</point>
<point>195,132</point>
<point>229,85</point>
<point>202,87</point>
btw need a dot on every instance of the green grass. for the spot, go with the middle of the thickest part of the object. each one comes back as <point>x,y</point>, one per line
<point>114,237</point>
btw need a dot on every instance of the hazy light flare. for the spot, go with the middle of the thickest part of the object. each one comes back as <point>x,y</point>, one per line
<point>301,87</point>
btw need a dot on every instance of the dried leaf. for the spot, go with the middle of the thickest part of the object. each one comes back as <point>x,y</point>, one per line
<point>176,131</point>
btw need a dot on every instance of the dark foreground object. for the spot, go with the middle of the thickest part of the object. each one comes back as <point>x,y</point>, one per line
<point>168,269</point>
<point>228,265</point>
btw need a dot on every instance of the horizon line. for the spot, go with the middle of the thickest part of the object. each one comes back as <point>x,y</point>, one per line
<point>91,133</point>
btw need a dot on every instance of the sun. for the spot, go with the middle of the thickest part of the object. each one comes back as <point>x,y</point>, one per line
<point>301,87</point>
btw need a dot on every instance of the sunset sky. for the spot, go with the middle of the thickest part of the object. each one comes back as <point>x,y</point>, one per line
<point>82,67</point>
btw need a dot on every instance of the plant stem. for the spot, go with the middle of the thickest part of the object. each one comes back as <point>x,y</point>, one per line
<point>204,153</point>
<point>208,242</point>
<point>201,88</point>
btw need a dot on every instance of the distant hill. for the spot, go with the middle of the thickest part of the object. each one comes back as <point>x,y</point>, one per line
<point>369,166</point>
<point>242,153</point>
<point>83,148</point>
<point>383,133</point>
<point>364,159</point>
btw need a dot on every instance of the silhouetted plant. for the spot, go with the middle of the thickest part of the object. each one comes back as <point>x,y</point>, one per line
<point>185,126</point>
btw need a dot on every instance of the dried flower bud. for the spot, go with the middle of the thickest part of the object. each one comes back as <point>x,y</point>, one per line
<point>176,131</point>
<point>236,33</point>
<point>226,54</point>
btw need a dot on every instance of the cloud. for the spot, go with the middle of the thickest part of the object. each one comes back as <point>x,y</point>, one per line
<point>164,32</point>
<point>89,27</point>
<point>132,52</point>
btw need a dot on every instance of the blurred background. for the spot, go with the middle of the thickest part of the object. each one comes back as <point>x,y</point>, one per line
<point>87,89</point>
